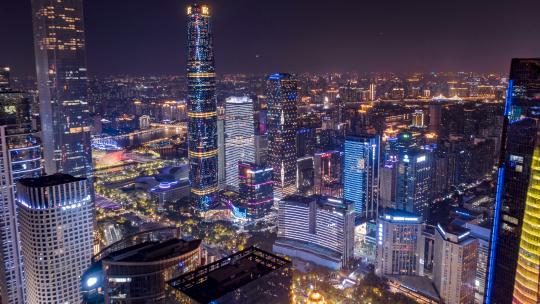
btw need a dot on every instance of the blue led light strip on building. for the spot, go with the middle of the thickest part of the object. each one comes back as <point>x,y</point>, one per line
<point>494,235</point>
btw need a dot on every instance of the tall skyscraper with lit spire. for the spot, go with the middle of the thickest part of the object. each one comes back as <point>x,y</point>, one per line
<point>60,52</point>
<point>282,126</point>
<point>202,108</point>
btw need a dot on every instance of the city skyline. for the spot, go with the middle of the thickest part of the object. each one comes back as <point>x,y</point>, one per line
<point>368,37</point>
<point>294,182</point>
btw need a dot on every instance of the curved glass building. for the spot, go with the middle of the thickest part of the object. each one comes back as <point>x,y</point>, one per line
<point>202,112</point>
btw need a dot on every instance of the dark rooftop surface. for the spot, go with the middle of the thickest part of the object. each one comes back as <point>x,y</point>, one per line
<point>154,251</point>
<point>217,279</point>
<point>50,180</point>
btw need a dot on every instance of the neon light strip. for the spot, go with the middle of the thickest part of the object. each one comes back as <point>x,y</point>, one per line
<point>494,235</point>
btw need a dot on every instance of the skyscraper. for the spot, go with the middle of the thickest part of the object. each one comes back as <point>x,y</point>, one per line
<point>282,124</point>
<point>202,114</point>
<point>56,218</point>
<point>519,141</point>
<point>60,53</point>
<point>239,136</point>
<point>414,181</point>
<point>256,189</point>
<point>454,264</point>
<point>400,245</point>
<point>361,174</point>
<point>20,155</point>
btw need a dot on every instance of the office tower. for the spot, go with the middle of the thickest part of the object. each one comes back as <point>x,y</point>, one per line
<point>4,79</point>
<point>221,147</point>
<point>202,122</point>
<point>261,130</point>
<point>361,174</point>
<point>60,53</point>
<point>435,117</point>
<point>454,264</point>
<point>482,235</point>
<point>400,245</point>
<point>137,268</point>
<point>305,175</point>
<point>388,183</point>
<point>515,169</point>
<point>282,124</point>
<point>317,229</point>
<point>239,136</point>
<point>256,189</point>
<point>372,91</point>
<point>261,149</point>
<point>21,158</point>
<point>56,218</point>
<point>327,173</point>
<point>414,181</point>
<point>248,276</point>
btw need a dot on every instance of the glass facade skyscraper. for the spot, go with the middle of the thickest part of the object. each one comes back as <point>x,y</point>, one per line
<point>239,136</point>
<point>282,122</point>
<point>20,155</point>
<point>361,174</point>
<point>516,170</point>
<point>202,108</point>
<point>256,189</point>
<point>60,52</point>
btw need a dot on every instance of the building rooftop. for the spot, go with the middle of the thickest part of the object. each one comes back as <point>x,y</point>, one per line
<point>395,215</point>
<point>153,251</point>
<point>417,284</point>
<point>217,279</point>
<point>50,180</point>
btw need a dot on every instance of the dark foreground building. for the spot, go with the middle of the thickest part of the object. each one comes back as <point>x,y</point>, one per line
<point>249,276</point>
<point>135,270</point>
<point>519,141</point>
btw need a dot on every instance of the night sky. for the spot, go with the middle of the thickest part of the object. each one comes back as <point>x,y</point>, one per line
<point>147,37</point>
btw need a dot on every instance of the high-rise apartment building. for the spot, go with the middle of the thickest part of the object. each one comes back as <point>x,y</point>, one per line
<point>514,186</point>
<point>56,218</point>
<point>239,136</point>
<point>20,154</point>
<point>361,174</point>
<point>454,264</point>
<point>317,229</point>
<point>60,54</point>
<point>202,112</point>
<point>282,124</point>
<point>400,245</point>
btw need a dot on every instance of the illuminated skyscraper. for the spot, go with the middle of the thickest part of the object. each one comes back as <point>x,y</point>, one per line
<point>282,124</point>
<point>202,112</point>
<point>62,83</point>
<point>20,155</point>
<point>516,192</point>
<point>56,219</point>
<point>400,245</point>
<point>256,189</point>
<point>239,136</point>
<point>361,174</point>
